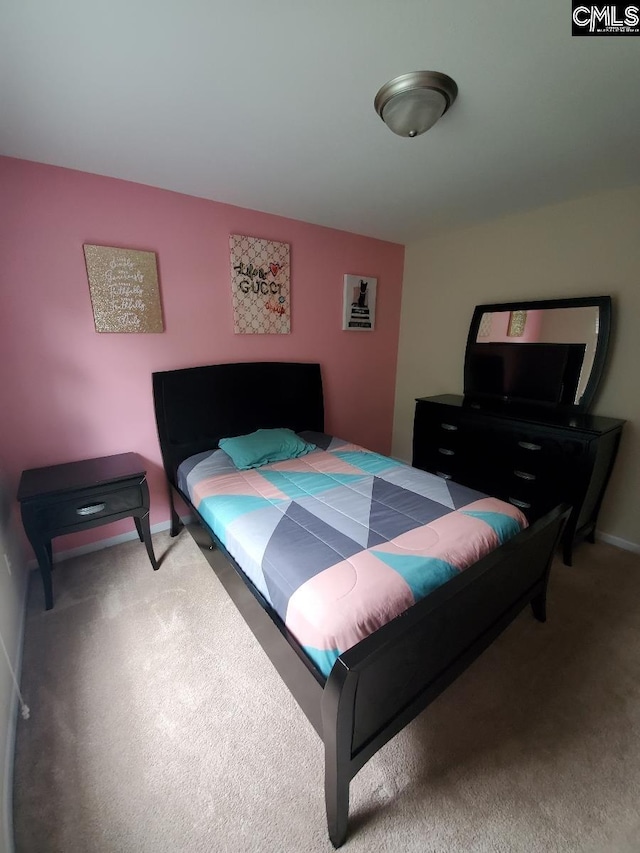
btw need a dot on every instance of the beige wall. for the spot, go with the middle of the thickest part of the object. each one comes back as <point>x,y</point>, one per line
<point>586,247</point>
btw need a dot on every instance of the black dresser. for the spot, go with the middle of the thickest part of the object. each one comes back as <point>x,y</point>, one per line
<point>534,458</point>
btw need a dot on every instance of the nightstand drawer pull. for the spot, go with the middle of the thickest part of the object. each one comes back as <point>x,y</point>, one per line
<point>528,445</point>
<point>521,504</point>
<point>446,452</point>
<point>91,509</point>
<point>450,427</point>
<point>524,475</point>
<point>443,475</point>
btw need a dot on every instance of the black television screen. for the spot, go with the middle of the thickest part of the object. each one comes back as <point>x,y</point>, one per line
<point>525,372</point>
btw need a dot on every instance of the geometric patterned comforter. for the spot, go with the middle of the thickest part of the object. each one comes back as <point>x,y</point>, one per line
<point>343,540</point>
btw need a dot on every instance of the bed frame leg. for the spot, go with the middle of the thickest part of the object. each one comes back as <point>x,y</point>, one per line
<point>176,524</point>
<point>336,795</point>
<point>539,606</point>
<point>338,704</point>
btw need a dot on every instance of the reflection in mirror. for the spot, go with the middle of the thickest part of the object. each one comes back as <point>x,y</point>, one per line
<point>548,352</point>
<point>549,326</point>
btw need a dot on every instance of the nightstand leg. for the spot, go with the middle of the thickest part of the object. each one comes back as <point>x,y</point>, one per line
<point>42,551</point>
<point>138,528</point>
<point>144,532</point>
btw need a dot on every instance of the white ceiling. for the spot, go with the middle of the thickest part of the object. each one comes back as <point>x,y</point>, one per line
<point>268,104</point>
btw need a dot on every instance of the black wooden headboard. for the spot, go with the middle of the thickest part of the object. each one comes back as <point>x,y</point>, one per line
<point>197,406</point>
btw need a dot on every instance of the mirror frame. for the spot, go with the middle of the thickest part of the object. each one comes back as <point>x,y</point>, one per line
<point>603,303</point>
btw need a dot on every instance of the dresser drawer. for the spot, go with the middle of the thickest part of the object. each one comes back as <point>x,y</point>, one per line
<point>433,425</point>
<point>444,461</point>
<point>439,439</point>
<point>533,497</point>
<point>537,453</point>
<point>98,503</point>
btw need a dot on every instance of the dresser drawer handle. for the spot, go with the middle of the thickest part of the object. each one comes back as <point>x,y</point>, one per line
<point>91,509</point>
<point>443,475</point>
<point>450,427</point>
<point>521,504</point>
<point>446,452</point>
<point>529,445</point>
<point>524,475</point>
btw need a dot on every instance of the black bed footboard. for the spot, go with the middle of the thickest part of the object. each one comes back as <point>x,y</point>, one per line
<point>381,684</point>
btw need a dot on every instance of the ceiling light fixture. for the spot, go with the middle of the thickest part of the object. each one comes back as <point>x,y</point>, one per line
<point>412,103</point>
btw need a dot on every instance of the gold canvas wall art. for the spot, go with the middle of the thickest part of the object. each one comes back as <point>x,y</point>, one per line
<point>124,289</point>
<point>517,322</point>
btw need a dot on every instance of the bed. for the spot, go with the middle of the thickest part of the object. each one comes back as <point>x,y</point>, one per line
<point>357,689</point>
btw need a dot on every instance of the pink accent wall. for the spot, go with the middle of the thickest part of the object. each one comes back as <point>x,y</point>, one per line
<point>68,392</point>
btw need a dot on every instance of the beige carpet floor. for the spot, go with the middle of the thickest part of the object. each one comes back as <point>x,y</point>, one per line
<point>158,724</point>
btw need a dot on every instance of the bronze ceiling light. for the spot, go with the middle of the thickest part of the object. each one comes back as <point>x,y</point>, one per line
<point>412,103</point>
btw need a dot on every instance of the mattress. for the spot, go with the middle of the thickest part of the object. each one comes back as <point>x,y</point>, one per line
<point>342,540</point>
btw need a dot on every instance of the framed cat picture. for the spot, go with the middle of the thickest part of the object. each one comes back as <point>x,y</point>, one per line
<point>359,303</point>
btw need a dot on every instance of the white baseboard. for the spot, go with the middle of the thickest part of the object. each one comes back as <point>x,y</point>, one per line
<point>618,542</point>
<point>107,543</point>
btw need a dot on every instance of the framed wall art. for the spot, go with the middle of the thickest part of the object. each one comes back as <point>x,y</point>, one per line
<point>260,286</point>
<point>517,322</point>
<point>484,329</point>
<point>123,284</point>
<point>359,303</point>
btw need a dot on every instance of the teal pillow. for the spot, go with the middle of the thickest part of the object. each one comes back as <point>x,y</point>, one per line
<point>264,446</point>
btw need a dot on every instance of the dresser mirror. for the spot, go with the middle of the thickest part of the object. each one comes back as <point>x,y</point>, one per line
<point>538,353</point>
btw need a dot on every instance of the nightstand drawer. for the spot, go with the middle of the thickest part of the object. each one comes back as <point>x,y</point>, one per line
<point>89,505</point>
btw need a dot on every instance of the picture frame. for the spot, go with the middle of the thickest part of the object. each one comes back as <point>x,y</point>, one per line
<point>359,303</point>
<point>123,285</point>
<point>517,323</point>
<point>260,286</point>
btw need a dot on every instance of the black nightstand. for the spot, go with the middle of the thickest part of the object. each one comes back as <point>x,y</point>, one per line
<point>78,495</point>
